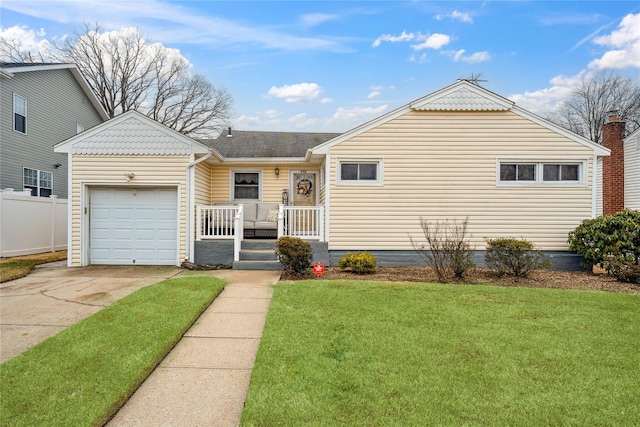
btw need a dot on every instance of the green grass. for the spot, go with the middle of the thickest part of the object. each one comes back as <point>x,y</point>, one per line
<point>83,375</point>
<point>380,354</point>
<point>17,267</point>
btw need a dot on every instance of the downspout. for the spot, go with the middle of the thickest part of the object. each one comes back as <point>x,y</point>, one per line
<point>191,206</point>
<point>594,187</point>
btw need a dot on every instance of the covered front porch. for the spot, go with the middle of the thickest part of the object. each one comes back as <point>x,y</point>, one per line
<point>222,237</point>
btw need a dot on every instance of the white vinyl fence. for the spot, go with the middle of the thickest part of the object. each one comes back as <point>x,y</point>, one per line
<point>31,225</point>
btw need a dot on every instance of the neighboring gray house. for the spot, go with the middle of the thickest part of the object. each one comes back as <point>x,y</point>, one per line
<point>42,105</point>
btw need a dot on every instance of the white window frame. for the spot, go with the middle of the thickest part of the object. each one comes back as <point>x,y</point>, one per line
<point>13,117</point>
<point>39,176</point>
<point>232,184</point>
<point>539,173</point>
<point>79,128</point>
<point>379,181</point>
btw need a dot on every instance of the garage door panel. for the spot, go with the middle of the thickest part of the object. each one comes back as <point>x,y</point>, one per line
<point>133,226</point>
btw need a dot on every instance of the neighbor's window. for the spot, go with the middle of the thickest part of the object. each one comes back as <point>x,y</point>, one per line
<point>246,186</point>
<point>360,172</point>
<point>40,182</point>
<point>517,172</point>
<point>560,172</point>
<point>79,128</point>
<point>19,114</point>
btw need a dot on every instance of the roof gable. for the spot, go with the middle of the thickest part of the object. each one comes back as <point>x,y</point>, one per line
<point>461,96</point>
<point>9,69</point>
<point>134,134</point>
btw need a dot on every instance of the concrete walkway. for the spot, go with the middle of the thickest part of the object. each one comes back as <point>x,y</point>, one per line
<point>205,379</point>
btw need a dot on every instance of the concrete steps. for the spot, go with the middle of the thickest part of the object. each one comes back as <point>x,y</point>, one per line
<point>258,255</point>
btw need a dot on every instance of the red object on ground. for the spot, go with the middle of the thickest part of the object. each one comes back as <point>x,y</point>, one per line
<point>318,269</point>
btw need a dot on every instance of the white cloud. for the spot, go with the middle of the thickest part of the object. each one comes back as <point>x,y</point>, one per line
<point>459,55</point>
<point>301,121</point>
<point>313,19</point>
<point>326,100</point>
<point>357,115</point>
<point>404,37</point>
<point>625,44</point>
<point>272,114</point>
<point>459,16</point>
<point>374,94</point>
<point>293,94</point>
<point>431,41</point>
<point>173,23</point>
<point>26,40</point>
<point>546,100</point>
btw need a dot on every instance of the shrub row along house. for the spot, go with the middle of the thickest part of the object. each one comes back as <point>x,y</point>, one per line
<point>140,193</point>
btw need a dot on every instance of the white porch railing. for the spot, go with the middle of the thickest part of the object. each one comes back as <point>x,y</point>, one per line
<point>226,223</point>
<point>305,222</point>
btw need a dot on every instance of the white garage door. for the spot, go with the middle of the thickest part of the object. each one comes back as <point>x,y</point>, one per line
<point>133,226</point>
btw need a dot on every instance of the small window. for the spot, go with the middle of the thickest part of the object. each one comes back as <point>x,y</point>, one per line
<point>39,182</point>
<point>558,172</point>
<point>246,186</point>
<point>19,114</point>
<point>360,172</point>
<point>79,128</point>
<point>517,172</point>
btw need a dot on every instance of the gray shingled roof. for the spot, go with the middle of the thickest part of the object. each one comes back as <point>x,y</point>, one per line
<point>255,144</point>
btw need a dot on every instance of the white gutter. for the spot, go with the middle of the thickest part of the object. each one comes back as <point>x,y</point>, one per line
<point>191,206</point>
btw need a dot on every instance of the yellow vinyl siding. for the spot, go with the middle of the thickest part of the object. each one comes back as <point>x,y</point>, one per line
<point>202,194</point>
<point>109,170</point>
<point>443,166</point>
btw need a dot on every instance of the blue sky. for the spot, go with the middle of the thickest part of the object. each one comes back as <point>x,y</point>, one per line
<point>330,66</point>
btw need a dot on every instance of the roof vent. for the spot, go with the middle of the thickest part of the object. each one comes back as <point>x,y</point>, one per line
<point>229,133</point>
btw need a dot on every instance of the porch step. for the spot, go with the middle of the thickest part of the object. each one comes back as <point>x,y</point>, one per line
<point>255,244</point>
<point>257,255</point>
<point>257,265</point>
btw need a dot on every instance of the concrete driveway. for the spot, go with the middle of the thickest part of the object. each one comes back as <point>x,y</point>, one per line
<point>54,297</point>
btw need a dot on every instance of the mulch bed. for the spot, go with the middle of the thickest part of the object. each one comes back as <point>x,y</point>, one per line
<point>479,276</point>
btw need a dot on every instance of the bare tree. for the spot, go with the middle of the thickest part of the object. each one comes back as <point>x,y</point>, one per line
<point>127,72</point>
<point>586,110</point>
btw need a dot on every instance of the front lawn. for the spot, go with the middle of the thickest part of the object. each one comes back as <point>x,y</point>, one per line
<point>83,375</point>
<point>374,353</point>
<point>16,267</point>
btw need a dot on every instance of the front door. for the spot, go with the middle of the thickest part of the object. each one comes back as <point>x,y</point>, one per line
<point>304,188</point>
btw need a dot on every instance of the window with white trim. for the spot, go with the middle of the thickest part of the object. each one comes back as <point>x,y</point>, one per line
<point>360,172</point>
<point>39,182</point>
<point>246,185</point>
<point>19,113</point>
<point>79,128</point>
<point>540,172</point>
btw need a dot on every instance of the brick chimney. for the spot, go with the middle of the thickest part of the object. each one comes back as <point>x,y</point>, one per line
<point>613,165</point>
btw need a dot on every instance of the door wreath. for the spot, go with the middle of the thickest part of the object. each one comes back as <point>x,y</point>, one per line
<point>304,187</point>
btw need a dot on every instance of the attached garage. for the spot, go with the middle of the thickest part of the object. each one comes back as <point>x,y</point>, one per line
<point>133,226</point>
<point>131,193</point>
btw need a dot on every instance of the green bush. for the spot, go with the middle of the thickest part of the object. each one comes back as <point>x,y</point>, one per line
<point>613,242</point>
<point>295,254</point>
<point>359,263</point>
<point>514,257</point>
